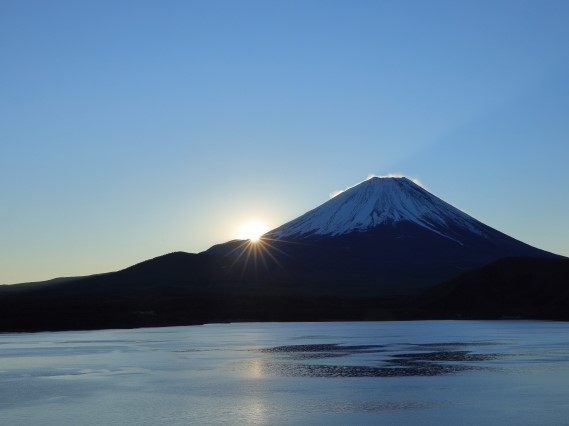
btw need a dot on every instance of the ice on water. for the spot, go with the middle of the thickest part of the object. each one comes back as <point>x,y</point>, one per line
<point>422,372</point>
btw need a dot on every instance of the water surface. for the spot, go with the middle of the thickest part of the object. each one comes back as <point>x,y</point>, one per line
<point>416,372</point>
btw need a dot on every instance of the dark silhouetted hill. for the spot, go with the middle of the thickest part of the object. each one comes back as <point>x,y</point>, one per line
<point>512,288</point>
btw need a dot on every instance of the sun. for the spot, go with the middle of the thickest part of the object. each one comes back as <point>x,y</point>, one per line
<point>252,230</point>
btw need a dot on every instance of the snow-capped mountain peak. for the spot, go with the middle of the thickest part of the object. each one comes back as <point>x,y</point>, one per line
<point>375,202</point>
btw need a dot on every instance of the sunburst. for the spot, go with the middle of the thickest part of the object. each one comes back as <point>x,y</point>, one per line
<point>251,231</point>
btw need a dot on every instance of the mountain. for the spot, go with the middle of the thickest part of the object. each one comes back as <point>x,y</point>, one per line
<point>371,252</point>
<point>384,236</point>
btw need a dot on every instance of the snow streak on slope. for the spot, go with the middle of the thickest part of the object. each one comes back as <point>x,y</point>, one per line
<point>379,201</point>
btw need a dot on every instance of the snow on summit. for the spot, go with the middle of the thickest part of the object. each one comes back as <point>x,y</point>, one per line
<point>377,201</point>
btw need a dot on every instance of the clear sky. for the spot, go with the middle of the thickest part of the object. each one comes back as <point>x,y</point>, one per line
<point>130,129</point>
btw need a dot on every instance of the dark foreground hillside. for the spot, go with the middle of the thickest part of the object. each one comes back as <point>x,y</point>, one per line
<point>514,287</point>
<point>139,297</point>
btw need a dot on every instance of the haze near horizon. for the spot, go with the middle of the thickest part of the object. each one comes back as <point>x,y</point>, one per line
<point>134,129</point>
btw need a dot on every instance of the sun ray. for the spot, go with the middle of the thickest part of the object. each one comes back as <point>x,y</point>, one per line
<point>252,256</point>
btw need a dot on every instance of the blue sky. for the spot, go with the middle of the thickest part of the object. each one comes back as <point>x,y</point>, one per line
<point>130,129</point>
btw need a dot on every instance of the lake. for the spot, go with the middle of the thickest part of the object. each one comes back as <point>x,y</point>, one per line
<point>392,373</point>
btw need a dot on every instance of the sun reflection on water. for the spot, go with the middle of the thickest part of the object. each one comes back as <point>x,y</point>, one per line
<point>256,368</point>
